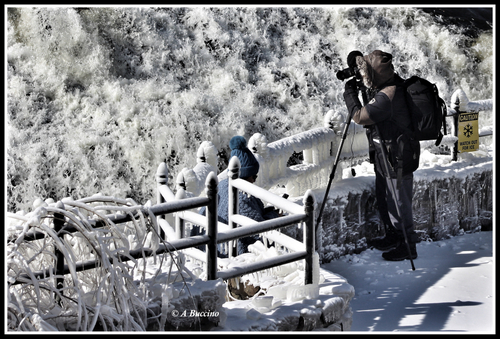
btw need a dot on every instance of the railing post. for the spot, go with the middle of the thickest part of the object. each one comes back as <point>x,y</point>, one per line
<point>454,156</point>
<point>59,266</point>
<point>179,222</point>
<point>233,199</point>
<point>212,219</point>
<point>309,237</point>
<point>181,182</point>
<point>161,179</point>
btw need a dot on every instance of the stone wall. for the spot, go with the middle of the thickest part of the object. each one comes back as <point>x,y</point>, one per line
<point>441,208</point>
<point>203,306</point>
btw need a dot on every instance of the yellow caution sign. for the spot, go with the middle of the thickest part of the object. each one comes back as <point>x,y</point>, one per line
<point>468,132</point>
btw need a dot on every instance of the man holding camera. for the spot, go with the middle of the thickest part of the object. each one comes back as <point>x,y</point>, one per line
<point>394,155</point>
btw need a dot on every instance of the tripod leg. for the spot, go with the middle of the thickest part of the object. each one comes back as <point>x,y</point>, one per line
<point>393,192</point>
<point>332,174</point>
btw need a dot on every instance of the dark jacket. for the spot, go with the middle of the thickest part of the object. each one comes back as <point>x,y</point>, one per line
<point>387,109</point>
<point>249,206</point>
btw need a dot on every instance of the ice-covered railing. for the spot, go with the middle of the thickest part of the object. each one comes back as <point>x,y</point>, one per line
<point>223,233</point>
<point>72,266</point>
<point>173,226</point>
<point>82,247</point>
<point>318,147</point>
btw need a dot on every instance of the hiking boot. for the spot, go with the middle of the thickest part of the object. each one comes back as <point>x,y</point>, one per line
<point>389,241</point>
<point>401,252</point>
<point>383,243</point>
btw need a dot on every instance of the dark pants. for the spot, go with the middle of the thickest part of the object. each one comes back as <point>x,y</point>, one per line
<point>387,201</point>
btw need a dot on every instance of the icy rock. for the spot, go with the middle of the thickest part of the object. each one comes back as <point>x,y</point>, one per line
<point>287,322</point>
<point>278,291</point>
<point>333,310</point>
<point>295,293</point>
<point>263,301</point>
<point>277,303</point>
<point>338,288</point>
<point>323,312</point>
<point>313,302</point>
<point>310,318</point>
<point>201,308</point>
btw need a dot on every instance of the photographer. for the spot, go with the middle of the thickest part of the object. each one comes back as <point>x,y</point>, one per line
<point>383,111</point>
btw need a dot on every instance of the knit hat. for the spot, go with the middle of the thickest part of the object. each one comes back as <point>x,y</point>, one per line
<point>249,165</point>
<point>375,68</point>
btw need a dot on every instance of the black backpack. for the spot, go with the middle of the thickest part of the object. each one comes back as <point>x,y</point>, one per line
<point>427,109</point>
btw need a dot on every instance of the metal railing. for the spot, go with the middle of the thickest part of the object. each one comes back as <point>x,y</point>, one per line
<point>230,233</point>
<point>63,227</point>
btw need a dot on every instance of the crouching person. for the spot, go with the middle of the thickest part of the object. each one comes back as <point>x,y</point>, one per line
<point>249,206</point>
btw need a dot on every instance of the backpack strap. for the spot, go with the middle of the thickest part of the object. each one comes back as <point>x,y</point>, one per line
<point>444,109</point>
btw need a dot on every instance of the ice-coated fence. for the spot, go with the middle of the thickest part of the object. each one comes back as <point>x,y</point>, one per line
<point>75,254</point>
<point>230,233</point>
<point>65,224</point>
<point>318,148</point>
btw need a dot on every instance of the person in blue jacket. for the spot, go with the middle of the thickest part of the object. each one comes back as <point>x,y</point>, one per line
<point>249,206</point>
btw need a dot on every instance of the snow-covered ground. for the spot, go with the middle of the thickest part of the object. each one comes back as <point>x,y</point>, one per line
<point>451,290</point>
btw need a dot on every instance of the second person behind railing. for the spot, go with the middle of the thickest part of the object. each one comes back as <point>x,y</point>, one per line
<point>249,206</point>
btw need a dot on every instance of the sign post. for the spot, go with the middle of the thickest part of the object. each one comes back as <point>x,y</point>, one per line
<point>468,132</point>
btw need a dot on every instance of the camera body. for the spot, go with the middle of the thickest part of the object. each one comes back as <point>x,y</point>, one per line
<point>352,70</point>
<point>348,73</point>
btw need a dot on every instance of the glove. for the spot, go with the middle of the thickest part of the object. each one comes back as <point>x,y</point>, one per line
<point>351,87</point>
<point>351,97</point>
<point>351,58</point>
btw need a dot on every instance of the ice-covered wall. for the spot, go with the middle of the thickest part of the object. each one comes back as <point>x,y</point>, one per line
<point>443,206</point>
